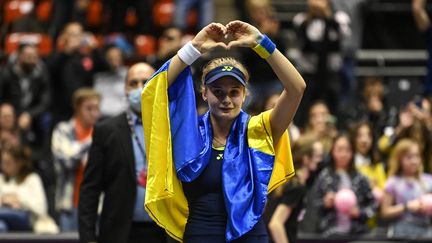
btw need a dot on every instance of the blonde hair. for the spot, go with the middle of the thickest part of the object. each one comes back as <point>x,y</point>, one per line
<point>82,94</point>
<point>217,62</point>
<point>401,149</point>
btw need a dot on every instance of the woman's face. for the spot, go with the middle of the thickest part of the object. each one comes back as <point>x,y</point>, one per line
<point>342,153</point>
<point>363,141</point>
<point>411,161</point>
<point>9,166</point>
<point>318,117</point>
<point>7,117</point>
<point>225,98</point>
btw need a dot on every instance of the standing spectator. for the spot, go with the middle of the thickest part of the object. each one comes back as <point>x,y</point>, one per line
<point>22,196</point>
<point>72,67</point>
<point>403,190</point>
<point>110,84</point>
<point>25,84</point>
<point>264,82</point>
<point>351,44</point>
<point>287,202</point>
<point>423,23</point>
<point>117,167</point>
<point>342,174</point>
<point>70,144</point>
<point>204,9</point>
<point>320,33</point>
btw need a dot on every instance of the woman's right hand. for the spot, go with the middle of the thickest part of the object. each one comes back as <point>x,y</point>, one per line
<point>329,200</point>
<point>414,206</point>
<point>210,37</point>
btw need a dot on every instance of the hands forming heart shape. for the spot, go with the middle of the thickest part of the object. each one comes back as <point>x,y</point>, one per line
<point>234,34</point>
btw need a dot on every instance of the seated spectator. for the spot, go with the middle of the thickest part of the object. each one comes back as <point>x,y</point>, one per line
<point>72,67</point>
<point>169,43</point>
<point>321,125</point>
<point>369,106</point>
<point>403,190</point>
<point>366,158</point>
<point>9,132</point>
<point>70,144</point>
<point>110,84</point>
<point>293,130</point>
<point>413,124</point>
<point>22,196</point>
<point>342,174</point>
<point>286,203</point>
<point>25,84</point>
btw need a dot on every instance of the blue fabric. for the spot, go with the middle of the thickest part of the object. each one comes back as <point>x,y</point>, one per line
<point>225,70</point>
<point>246,172</point>
<point>140,215</point>
<point>268,44</point>
<point>69,220</point>
<point>15,219</point>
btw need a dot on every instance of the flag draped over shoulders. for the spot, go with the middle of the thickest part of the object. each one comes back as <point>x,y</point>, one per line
<point>178,145</point>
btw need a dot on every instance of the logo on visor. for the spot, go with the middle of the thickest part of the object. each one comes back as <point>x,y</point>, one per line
<point>227,68</point>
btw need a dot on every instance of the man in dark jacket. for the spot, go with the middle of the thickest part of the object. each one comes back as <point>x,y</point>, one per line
<point>24,83</point>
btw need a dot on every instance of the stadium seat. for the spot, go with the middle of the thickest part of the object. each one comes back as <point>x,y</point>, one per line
<point>145,45</point>
<point>94,13</point>
<point>44,10</point>
<point>42,41</point>
<point>131,18</point>
<point>163,13</point>
<point>16,9</point>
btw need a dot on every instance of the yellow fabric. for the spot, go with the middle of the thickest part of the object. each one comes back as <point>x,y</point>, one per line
<point>374,173</point>
<point>164,201</point>
<point>262,52</point>
<point>260,138</point>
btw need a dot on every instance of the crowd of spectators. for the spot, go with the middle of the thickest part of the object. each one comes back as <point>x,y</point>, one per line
<point>346,135</point>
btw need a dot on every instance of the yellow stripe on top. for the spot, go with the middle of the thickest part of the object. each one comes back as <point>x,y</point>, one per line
<point>164,200</point>
<point>260,138</point>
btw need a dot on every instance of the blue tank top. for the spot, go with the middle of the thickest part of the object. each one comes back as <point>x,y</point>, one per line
<point>207,213</point>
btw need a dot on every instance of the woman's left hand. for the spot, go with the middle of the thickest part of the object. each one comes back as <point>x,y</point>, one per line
<point>243,34</point>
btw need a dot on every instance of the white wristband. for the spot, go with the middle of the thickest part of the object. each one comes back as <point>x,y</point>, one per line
<point>188,53</point>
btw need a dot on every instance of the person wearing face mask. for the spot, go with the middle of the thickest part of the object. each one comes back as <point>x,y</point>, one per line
<point>117,167</point>
<point>25,84</point>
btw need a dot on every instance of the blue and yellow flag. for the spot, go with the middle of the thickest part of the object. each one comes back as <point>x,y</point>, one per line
<point>178,145</point>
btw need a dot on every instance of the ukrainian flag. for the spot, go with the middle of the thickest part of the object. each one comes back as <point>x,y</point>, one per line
<point>178,145</point>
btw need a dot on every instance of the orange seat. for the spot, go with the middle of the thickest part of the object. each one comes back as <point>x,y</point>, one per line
<point>145,45</point>
<point>163,12</point>
<point>94,13</point>
<point>44,10</point>
<point>16,9</point>
<point>42,41</point>
<point>131,18</point>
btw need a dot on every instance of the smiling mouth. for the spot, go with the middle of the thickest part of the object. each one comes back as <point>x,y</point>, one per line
<point>225,109</point>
